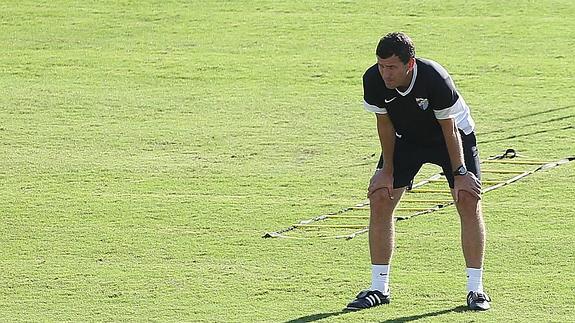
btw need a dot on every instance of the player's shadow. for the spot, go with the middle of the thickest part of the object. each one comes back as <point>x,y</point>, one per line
<point>321,316</point>
<point>457,309</point>
<point>317,317</point>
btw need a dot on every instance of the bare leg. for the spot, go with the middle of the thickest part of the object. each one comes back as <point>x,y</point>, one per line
<point>381,225</point>
<point>472,229</point>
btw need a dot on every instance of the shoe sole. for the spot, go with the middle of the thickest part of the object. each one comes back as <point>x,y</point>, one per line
<point>479,308</point>
<point>348,308</point>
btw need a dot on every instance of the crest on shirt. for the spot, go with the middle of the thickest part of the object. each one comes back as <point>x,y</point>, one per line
<point>422,103</point>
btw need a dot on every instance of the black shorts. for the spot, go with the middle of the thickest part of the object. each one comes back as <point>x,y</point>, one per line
<point>408,159</point>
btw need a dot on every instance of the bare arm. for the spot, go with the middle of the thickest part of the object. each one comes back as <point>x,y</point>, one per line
<point>386,132</point>
<point>383,178</point>
<point>468,182</point>
<point>453,142</point>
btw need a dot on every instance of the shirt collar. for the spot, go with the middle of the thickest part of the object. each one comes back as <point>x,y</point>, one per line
<point>413,77</point>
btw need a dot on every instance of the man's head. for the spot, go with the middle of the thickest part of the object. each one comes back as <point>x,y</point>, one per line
<point>395,59</point>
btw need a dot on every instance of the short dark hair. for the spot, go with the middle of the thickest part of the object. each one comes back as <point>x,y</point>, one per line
<point>396,43</point>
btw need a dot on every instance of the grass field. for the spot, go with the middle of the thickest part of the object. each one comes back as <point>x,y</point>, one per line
<point>148,145</point>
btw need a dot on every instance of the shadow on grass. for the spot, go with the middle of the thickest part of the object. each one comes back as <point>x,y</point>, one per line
<point>317,317</point>
<point>321,316</point>
<point>457,309</point>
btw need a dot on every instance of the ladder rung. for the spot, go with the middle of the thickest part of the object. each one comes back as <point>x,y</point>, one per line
<point>429,191</point>
<point>357,217</point>
<point>518,162</point>
<point>502,171</point>
<point>490,181</point>
<point>412,208</point>
<point>398,209</point>
<point>342,226</point>
<point>348,216</point>
<point>483,181</point>
<point>364,206</point>
<point>426,201</point>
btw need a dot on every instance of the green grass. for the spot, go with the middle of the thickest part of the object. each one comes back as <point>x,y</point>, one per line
<point>147,146</point>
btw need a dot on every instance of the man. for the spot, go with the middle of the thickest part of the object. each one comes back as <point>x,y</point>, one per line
<point>421,118</point>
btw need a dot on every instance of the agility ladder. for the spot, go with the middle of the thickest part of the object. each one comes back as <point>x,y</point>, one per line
<point>422,198</point>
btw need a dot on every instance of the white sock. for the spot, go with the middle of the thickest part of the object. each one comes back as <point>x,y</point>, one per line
<point>475,279</point>
<point>380,278</point>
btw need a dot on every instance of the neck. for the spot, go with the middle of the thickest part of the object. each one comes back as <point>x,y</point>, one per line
<point>407,82</point>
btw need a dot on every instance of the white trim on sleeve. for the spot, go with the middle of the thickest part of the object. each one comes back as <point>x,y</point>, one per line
<point>374,108</point>
<point>447,113</point>
<point>460,113</point>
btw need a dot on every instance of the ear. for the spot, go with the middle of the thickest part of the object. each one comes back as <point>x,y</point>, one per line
<point>410,64</point>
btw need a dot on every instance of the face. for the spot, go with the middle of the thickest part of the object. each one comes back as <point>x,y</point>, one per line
<point>394,73</point>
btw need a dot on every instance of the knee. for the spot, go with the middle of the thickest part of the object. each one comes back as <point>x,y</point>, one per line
<point>380,198</point>
<point>467,199</point>
<point>468,205</point>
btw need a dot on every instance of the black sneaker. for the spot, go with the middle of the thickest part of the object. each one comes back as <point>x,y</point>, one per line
<point>367,299</point>
<point>478,301</point>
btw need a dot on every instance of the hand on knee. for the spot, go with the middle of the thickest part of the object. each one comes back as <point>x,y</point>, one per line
<point>466,198</point>
<point>381,196</point>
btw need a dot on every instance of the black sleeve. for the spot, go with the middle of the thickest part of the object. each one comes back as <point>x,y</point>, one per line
<point>443,92</point>
<point>369,88</point>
